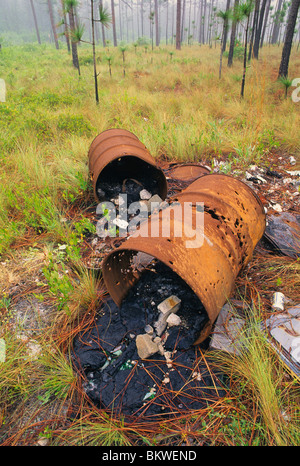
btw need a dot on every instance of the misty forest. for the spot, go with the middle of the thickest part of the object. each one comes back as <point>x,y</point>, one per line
<point>125,339</point>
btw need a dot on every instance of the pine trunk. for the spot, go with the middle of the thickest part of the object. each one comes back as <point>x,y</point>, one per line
<point>290,30</point>
<point>276,27</point>
<point>102,25</point>
<point>265,23</point>
<point>94,52</point>
<point>50,7</point>
<point>65,25</point>
<point>232,37</point>
<point>225,28</point>
<point>245,59</point>
<point>254,27</point>
<point>113,20</point>
<point>156,23</point>
<point>259,30</point>
<point>178,24</point>
<point>73,44</point>
<point>35,22</point>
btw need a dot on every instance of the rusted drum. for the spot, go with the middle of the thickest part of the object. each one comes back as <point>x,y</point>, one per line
<point>187,172</point>
<point>234,222</point>
<point>116,155</point>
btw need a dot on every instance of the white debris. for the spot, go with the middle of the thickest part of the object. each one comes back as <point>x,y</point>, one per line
<point>277,207</point>
<point>146,347</point>
<point>167,307</point>
<point>145,195</point>
<point>292,160</point>
<point>120,223</point>
<point>173,320</point>
<point>278,301</point>
<point>166,380</point>
<point>149,330</point>
<point>294,172</point>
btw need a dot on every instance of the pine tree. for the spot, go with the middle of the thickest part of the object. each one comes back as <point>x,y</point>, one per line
<point>290,30</point>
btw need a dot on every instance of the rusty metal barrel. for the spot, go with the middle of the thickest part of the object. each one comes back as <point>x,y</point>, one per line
<point>116,155</point>
<point>187,171</point>
<point>234,222</point>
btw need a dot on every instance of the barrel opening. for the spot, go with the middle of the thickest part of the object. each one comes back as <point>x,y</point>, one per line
<point>130,175</point>
<point>146,281</point>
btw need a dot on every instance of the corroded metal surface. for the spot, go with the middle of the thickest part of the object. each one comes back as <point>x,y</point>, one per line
<point>111,146</point>
<point>234,221</point>
<point>187,171</point>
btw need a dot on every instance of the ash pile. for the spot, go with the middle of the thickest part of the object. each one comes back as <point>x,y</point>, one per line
<point>139,359</point>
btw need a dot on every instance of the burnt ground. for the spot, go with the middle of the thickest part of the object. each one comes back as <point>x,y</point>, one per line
<point>172,382</point>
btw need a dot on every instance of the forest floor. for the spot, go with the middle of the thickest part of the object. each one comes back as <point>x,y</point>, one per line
<point>179,108</point>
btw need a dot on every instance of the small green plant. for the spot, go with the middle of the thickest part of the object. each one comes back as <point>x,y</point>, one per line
<point>60,285</point>
<point>74,124</point>
<point>286,82</point>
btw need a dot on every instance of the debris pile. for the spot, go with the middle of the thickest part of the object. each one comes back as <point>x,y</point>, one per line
<point>140,360</point>
<point>144,356</point>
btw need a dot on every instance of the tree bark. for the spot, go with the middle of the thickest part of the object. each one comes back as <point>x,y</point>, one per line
<point>254,27</point>
<point>201,22</point>
<point>245,59</point>
<point>259,30</point>
<point>232,37</point>
<point>156,23</point>
<point>113,20</point>
<point>265,23</point>
<point>276,24</point>
<point>290,30</point>
<point>73,44</point>
<point>102,26</point>
<point>182,22</point>
<point>50,7</point>
<point>225,28</point>
<point>142,17</point>
<point>221,53</point>
<point>35,22</point>
<point>65,26</point>
<point>178,24</point>
<point>94,52</point>
<point>167,20</point>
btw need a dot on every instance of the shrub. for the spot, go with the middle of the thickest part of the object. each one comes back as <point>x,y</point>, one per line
<point>74,124</point>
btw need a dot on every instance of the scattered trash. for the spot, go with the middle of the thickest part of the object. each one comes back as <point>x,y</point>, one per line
<point>227,331</point>
<point>278,301</point>
<point>145,195</point>
<point>273,173</point>
<point>146,347</point>
<point>284,330</point>
<point>167,307</point>
<point>292,160</point>
<point>277,207</point>
<point>282,234</point>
